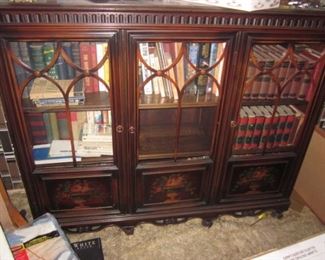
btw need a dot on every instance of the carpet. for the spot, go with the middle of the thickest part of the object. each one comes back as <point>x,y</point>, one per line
<point>228,238</point>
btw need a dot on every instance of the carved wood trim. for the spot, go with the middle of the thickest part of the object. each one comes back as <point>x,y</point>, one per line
<point>240,20</point>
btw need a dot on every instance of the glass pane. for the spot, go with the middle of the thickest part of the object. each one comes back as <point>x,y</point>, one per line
<point>281,80</point>
<point>179,85</point>
<point>169,71</point>
<point>196,131</point>
<point>157,131</point>
<point>92,131</point>
<point>65,90</point>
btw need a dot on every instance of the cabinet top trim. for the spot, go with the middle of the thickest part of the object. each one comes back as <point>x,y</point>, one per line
<point>125,15</point>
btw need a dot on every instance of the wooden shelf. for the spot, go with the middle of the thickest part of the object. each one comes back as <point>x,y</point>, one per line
<point>156,101</point>
<point>93,101</point>
<point>159,140</point>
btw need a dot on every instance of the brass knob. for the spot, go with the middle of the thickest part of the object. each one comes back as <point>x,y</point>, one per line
<point>131,129</point>
<point>119,129</point>
<point>233,123</point>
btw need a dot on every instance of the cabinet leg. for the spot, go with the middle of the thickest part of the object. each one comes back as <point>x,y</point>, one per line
<point>207,222</point>
<point>129,230</point>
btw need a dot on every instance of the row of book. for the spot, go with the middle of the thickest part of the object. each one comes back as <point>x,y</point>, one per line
<point>160,55</point>
<point>46,127</point>
<point>295,73</point>
<point>46,93</point>
<point>85,55</point>
<point>260,127</point>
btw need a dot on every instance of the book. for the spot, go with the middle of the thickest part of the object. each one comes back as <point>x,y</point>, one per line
<point>36,55</point>
<point>85,63</point>
<point>280,127</point>
<point>250,128</point>
<point>266,127</point>
<point>48,55</point>
<point>203,63</point>
<point>258,127</point>
<point>37,128</point>
<point>63,125</point>
<point>60,148</point>
<point>89,249</point>
<point>145,72</point>
<point>273,127</point>
<point>96,132</point>
<point>288,126</point>
<point>93,63</point>
<point>41,156</point>
<point>241,131</point>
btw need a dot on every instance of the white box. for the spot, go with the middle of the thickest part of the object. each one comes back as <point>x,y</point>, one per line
<point>246,5</point>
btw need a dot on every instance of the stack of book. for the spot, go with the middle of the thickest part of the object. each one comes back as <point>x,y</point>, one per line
<point>260,127</point>
<point>96,140</point>
<point>275,73</point>
<point>195,57</point>
<point>46,93</point>
<point>58,151</point>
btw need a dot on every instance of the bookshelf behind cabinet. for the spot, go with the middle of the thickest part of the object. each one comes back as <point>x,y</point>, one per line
<point>129,112</point>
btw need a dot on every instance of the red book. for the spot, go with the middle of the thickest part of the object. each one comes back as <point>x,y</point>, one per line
<point>250,128</point>
<point>320,57</point>
<point>288,126</point>
<point>241,131</point>
<point>251,71</point>
<point>258,127</point>
<point>266,127</point>
<point>296,125</point>
<point>93,62</point>
<point>280,128</point>
<point>85,64</point>
<point>37,128</point>
<point>273,127</point>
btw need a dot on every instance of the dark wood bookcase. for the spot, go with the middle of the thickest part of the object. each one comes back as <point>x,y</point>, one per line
<point>159,111</point>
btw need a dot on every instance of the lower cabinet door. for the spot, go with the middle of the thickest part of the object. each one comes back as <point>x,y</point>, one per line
<point>171,186</point>
<point>247,179</point>
<point>79,192</point>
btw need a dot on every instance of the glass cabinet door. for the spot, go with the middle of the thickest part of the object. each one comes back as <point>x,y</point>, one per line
<point>65,92</point>
<point>281,80</point>
<point>179,88</point>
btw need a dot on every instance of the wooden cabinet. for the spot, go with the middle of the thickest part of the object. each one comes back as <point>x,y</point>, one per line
<point>130,112</point>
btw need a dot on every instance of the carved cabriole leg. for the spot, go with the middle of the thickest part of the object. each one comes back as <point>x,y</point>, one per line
<point>207,222</point>
<point>129,230</point>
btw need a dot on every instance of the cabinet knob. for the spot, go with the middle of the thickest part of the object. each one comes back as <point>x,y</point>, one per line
<point>119,129</point>
<point>233,123</point>
<point>131,129</point>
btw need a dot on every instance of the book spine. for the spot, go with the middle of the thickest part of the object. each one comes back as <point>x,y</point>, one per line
<point>241,132</point>
<point>47,123</point>
<point>257,132</point>
<point>144,50</point>
<point>249,130</point>
<point>193,56</point>
<point>265,130</point>
<point>272,132</point>
<point>85,64</point>
<point>280,130</point>
<point>63,125</point>
<point>48,54</point>
<point>203,63</point>
<point>37,128</point>
<point>36,55</point>
<point>93,63</point>
<point>287,130</point>
<point>67,47</point>
<point>54,126</point>
<point>251,70</point>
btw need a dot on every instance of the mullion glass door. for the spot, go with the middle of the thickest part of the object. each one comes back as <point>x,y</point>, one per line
<point>178,92</point>
<point>281,81</point>
<point>65,90</point>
